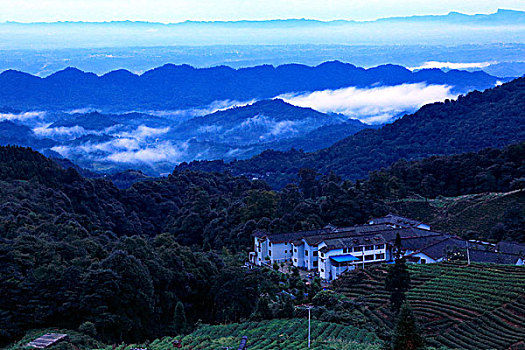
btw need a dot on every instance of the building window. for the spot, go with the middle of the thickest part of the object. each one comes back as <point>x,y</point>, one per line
<point>270,244</point>
<point>369,257</point>
<point>270,253</point>
<point>369,247</point>
<point>315,252</point>
<point>380,256</point>
<point>379,246</point>
<point>285,252</point>
<point>322,270</point>
<point>315,264</point>
<point>285,243</point>
<point>345,250</point>
<point>295,250</point>
<point>423,261</point>
<point>306,252</point>
<point>295,260</point>
<point>357,249</point>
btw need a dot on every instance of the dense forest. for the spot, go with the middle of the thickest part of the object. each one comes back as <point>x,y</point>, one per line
<point>76,250</point>
<point>493,118</point>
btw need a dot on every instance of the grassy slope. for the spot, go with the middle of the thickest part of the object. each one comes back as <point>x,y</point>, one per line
<point>476,307</point>
<point>477,213</point>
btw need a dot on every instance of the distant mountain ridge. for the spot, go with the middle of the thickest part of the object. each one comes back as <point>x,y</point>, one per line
<point>174,87</point>
<point>493,118</point>
<point>504,26</point>
<point>499,16</point>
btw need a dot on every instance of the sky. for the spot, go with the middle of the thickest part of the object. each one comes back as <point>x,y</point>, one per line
<point>169,11</point>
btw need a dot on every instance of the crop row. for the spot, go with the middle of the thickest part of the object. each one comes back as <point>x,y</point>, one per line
<point>275,334</point>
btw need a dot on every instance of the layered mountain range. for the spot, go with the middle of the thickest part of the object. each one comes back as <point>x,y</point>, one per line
<point>173,87</point>
<point>493,118</point>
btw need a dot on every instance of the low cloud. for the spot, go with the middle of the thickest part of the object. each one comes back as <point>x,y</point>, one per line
<point>283,127</point>
<point>374,105</point>
<point>267,127</point>
<point>185,114</point>
<point>25,116</point>
<point>159,152</point>
<point>82,110</point>
<point>452,65</point>
<point>144,132</point>
<point>62,132</point>
<point>127,150</point>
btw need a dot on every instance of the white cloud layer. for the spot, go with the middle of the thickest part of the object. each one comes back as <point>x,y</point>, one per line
<point>452,65</point>
<point>144,132</point>
<point>60,132</point>
<point>22,116</point>
<point>132,147</point>
<point>375,105</point>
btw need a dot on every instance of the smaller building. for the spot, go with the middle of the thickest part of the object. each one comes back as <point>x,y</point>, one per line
<point>399,221</point>
<point>47,340</point>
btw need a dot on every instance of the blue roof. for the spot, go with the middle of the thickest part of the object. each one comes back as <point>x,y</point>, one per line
<point>344,258</point>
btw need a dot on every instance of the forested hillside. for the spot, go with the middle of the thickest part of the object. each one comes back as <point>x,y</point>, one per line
<point>493,118</point>
<point>68,243</point>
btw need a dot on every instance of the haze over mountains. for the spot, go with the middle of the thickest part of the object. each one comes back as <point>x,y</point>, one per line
<point>175,114</point>
<point>155,144</point>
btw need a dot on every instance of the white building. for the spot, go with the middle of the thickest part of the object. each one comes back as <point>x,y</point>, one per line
<point>344,254</point>
<point>331,251</point>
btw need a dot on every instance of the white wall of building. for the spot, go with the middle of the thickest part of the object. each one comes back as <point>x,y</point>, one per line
<point>298,255</point>
<point>372,253</point>
<point>280,252</point>
<point>425,259</point>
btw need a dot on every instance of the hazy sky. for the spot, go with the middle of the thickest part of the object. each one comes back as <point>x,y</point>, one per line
<point>181,10</point>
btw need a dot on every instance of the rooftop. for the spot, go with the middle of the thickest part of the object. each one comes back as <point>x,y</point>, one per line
<point>352,241</point>
<point>397,220</point>
<point>46,340</point>
<point>344,258</point>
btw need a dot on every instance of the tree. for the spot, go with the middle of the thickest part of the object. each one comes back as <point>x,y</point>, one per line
<point>88,328</point>
<point>398,279</point>
<point>179,319</point>
<point>308,181</point>
<point>407,334</point>
<point>262,309</point>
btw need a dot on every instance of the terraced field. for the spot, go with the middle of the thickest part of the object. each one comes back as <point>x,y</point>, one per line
<point>481,306</point>
<point>272,335</point>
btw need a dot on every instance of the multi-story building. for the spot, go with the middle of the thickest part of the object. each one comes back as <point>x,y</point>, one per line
<point>331,251</point>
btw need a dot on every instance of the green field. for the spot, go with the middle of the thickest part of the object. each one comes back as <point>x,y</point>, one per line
<point>481,306</point>
<point>275,334</point>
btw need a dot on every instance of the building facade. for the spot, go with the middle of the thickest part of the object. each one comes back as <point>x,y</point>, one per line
<point>332,251</point>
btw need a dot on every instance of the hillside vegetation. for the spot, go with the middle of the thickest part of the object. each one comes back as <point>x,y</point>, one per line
<point>493,118</point>
<point>486,216</point>
<point>72,245</point>
<point>270,335</point>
